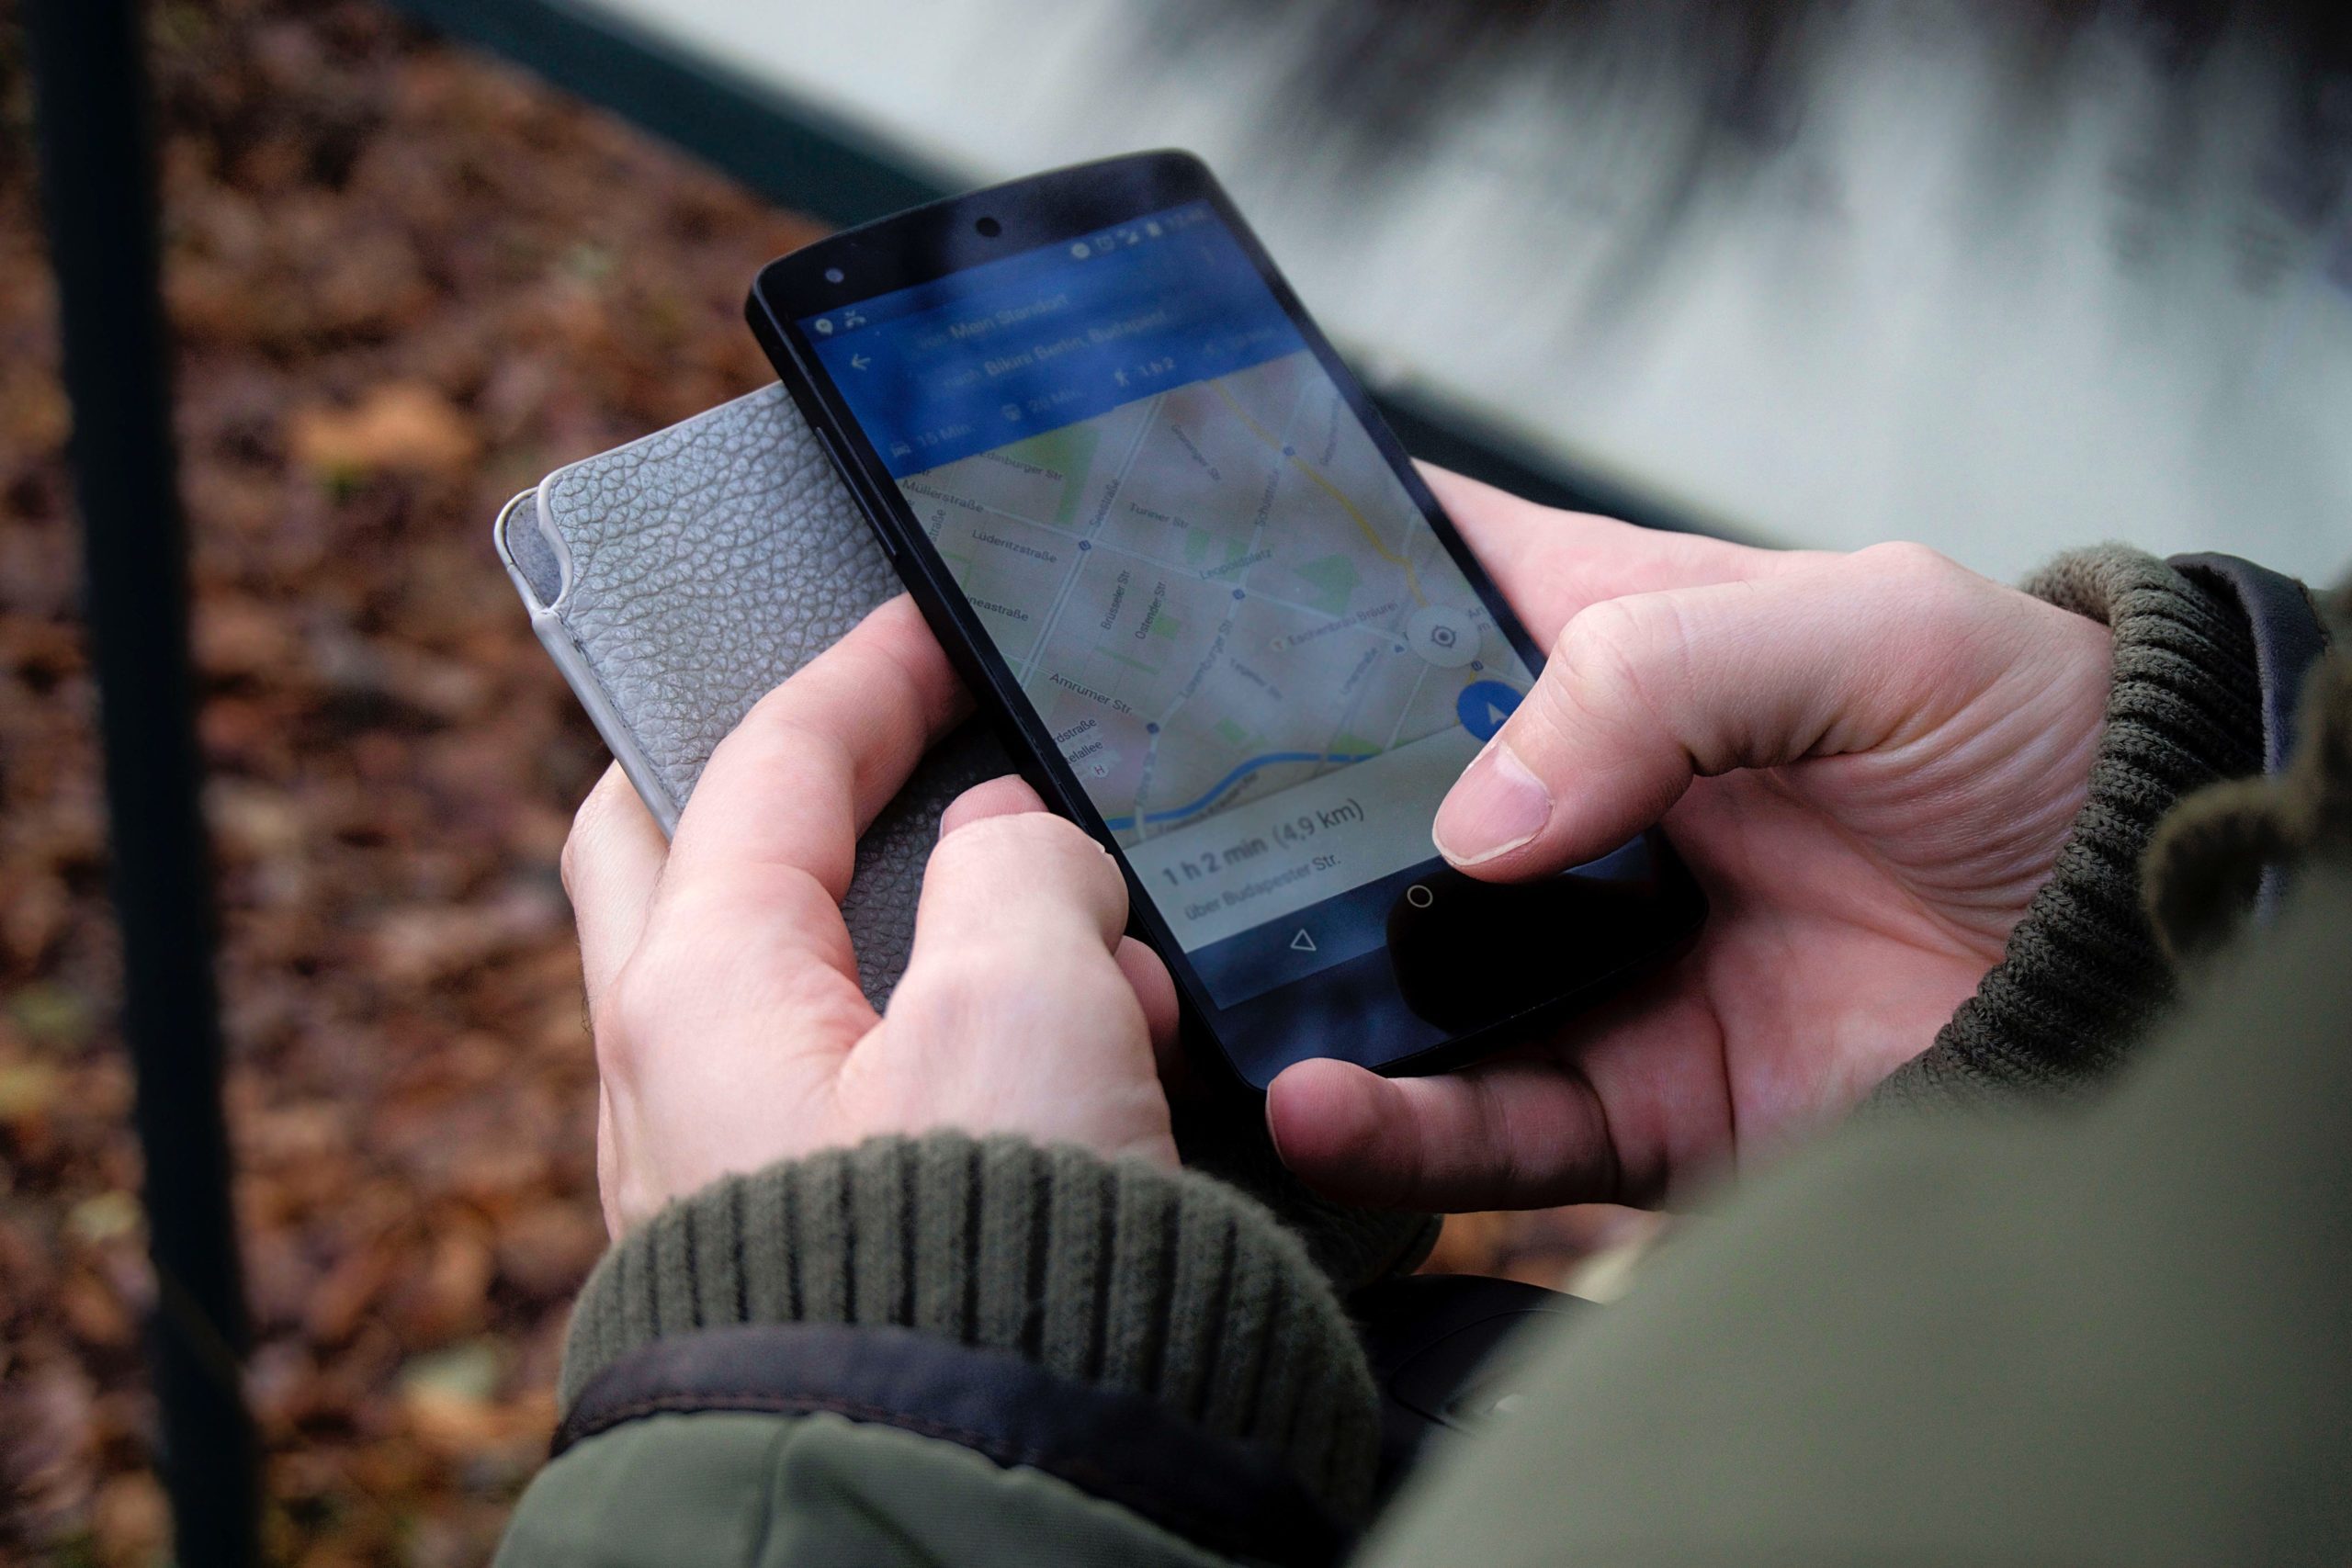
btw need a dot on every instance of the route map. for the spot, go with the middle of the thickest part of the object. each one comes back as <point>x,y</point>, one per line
<point>1213,593</point>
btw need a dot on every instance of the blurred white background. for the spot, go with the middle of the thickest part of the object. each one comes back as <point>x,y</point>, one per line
<point>1907,273</point>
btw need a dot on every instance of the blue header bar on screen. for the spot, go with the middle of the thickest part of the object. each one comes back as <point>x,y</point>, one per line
<point>997,353</point>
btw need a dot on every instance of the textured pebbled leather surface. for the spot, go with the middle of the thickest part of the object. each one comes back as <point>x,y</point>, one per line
<point>709,561</point>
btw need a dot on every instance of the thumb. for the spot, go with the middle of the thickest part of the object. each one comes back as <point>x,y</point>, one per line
<point>1646,692</point>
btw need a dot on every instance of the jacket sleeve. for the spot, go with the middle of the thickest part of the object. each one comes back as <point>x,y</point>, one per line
<point>2208,653</point>
<point>946,1348</point>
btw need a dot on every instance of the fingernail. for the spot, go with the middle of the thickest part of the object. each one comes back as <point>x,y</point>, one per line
<point>1495,806</point>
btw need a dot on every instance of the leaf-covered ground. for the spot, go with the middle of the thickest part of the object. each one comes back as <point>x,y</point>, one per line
<point>406,283</point>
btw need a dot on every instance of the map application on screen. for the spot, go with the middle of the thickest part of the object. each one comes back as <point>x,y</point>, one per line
<point>1248,643</point>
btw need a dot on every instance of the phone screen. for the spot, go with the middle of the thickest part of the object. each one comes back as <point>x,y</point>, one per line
<point>1251,649</point>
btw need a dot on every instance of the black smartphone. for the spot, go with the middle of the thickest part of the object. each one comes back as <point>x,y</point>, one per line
<point>1168,541</point>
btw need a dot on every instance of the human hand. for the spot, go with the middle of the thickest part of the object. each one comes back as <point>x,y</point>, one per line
<point>722,988</point>
<point>1871,762</point>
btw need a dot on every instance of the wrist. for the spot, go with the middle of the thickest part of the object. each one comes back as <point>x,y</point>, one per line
<point>2082,973</point>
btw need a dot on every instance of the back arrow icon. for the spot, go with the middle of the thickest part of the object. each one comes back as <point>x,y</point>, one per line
<point>1302,942</point>
<point>858,362</point>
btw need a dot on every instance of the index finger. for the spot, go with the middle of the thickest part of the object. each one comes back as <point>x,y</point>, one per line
<point>812,763</point>
<point>1552,563</point>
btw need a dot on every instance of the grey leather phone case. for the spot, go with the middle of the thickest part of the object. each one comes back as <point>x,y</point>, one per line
<point>679,579</point>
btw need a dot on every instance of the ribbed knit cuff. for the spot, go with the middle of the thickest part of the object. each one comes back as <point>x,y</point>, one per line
<point>1112,1274</point>
<point>2082,974</point>
<point>1226,1138</point>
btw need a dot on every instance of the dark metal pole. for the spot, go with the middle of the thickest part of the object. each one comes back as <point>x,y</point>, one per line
<point>97,171</point>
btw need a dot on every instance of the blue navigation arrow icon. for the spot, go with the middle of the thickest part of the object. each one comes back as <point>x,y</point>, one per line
<point>1484,705</point>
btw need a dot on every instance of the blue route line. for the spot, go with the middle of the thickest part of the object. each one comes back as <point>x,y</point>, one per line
<point>1122,824</point>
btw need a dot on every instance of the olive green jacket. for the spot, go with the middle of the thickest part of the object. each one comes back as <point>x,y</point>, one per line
<point>2077,1289</point>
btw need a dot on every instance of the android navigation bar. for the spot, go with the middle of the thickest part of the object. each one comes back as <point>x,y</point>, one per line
<point>1338,930</point>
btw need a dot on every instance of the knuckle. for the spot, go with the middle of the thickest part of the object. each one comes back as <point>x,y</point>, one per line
<point>623,1014</point>
<point>951,991</point>
<point>1606,654</point>
<point>587,824</point>
<point>776,705</point>
<point>1909,562</point>
<point>1034,838</point>
<point>794,721</point>
<point>812,737</point>
<point>1927,598</point>
<point>1601,636</point>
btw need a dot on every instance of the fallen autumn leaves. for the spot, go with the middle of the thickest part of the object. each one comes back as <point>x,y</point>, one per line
<point>406,284</point>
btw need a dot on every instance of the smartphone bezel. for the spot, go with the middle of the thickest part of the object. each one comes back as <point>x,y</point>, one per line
<point>959,232</point>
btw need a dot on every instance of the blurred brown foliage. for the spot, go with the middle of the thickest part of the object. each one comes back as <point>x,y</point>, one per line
<point>406,283</point>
